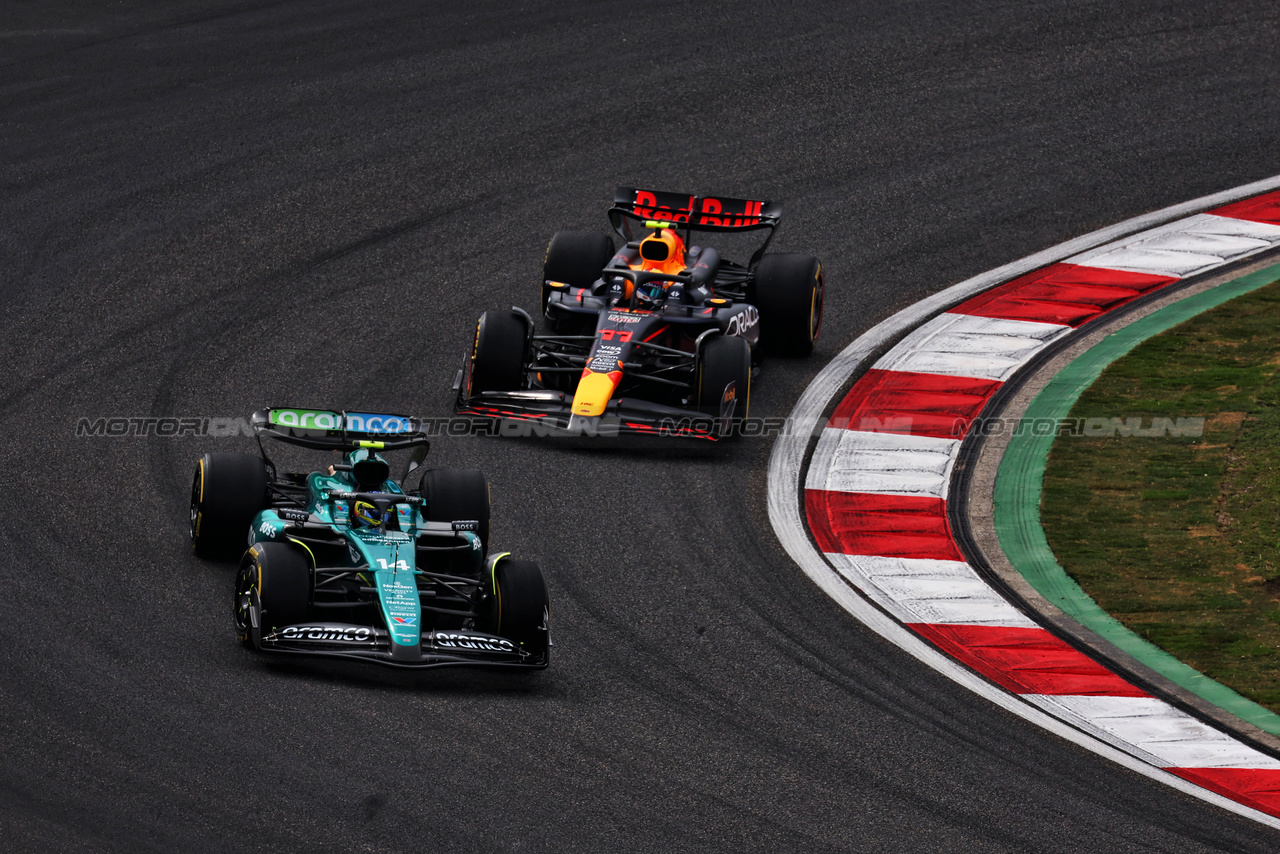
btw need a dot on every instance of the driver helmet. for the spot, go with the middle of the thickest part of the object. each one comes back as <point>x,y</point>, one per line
<point>662,251</point>
<point>366,515</point>
<point>652,292</point>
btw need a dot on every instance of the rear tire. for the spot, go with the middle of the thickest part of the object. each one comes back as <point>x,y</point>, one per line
<point>788,290</point>
<point>277,577</point>
<point>575,258</point>
<point>520,604</point>
<point>453,494</point>
<point>228,490</point>
<point>725,359</point>
<point>497,356</point>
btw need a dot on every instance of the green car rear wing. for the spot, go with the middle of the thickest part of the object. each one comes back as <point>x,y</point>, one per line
<point>330,430</point>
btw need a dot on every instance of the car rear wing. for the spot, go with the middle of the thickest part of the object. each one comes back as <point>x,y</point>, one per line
<point>332,430</point>
<point>692,213</point>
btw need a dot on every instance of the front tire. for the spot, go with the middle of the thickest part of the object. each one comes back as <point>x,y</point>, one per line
<point>575,258</point>
<point>788,290</point>
<point>497,355</point>
<point>274,579</point>
<point>725,359</point>
<point>520,605</point>
<point>228,490</point>
<point>453,494</point>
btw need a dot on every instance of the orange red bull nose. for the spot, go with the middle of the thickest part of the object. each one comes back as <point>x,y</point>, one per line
<point>594,391</point>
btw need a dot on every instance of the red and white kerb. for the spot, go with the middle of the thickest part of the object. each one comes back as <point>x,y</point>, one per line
<point>876,490</point>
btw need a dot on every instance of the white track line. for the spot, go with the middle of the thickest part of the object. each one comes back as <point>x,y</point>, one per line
<point>787,460</point>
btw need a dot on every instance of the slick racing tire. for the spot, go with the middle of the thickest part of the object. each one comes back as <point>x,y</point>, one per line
<point>228,490</point>
<point>277,578</point>
<point>575,258</point>
<point>456,494</point>
<point>497,356</point>
<point>788,290</point>
<point>519,602</point>
<point>725,359</point>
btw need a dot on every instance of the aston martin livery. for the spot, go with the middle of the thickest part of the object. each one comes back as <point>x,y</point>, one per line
<point>344,562</point>
<point>661,336</point>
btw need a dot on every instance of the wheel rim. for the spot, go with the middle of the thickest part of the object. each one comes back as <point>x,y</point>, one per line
<point>243,602</point>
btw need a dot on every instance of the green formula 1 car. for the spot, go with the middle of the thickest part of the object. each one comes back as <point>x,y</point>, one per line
<point>345,563</point>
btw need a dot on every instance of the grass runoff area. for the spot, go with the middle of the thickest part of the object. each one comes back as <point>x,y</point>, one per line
<point>1178,537</point>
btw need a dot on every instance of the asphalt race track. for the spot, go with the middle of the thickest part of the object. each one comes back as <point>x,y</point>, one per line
<point>210,207</point>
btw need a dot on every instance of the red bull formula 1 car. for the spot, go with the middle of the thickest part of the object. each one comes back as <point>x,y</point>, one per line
<point>661,336</point>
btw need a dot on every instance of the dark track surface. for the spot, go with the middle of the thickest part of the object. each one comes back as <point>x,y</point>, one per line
<point>211,209</point>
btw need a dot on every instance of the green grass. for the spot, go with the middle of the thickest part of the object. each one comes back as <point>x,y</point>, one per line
<point>1179,537</point>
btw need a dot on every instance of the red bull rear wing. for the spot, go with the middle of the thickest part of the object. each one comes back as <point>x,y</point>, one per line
<point>697,213</point>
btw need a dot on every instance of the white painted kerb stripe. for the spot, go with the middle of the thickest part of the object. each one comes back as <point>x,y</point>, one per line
<point>919,590</point>
<point>890,463</point>
<point>1184,248</point>
<point>1173,738</point>
<point>962,345</point>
